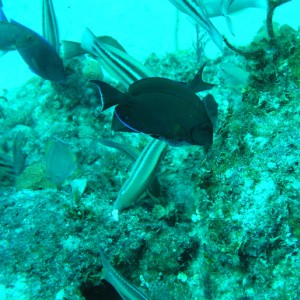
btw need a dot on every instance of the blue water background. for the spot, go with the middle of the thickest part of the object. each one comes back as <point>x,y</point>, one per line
<point>142,27</point>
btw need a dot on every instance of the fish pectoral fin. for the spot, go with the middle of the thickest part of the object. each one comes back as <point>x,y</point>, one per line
<point>119,125</point>
<point>71,49</point>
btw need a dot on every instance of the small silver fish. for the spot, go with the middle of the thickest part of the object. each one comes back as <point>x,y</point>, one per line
<point>218,8</point>
<point>236,76</point>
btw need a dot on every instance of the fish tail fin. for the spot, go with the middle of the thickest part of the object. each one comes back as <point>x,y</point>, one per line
<point>109,96</point>
<point>197,84</point>
<point>71,49</point>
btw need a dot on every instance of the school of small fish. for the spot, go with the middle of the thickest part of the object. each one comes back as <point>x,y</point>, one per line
<point>169,111</point>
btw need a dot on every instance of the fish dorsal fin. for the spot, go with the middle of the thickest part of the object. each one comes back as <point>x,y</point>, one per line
<point>71,49</point>
<point>110,41</point>
<point>118,124</point>
<point>160,85</point>
<point>197,84</point>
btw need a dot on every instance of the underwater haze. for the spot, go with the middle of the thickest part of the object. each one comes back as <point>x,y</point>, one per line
<point>149,149</point>
<point>154,27</point>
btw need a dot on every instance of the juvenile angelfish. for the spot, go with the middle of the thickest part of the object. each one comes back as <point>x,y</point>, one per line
<point>162,108</point>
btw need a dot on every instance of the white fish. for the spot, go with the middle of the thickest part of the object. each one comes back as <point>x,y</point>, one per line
<point>218,8</point>
<point>236,76</point>
<point>196,10</point>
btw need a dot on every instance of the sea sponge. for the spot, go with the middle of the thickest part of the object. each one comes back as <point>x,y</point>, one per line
<point>34,177</point>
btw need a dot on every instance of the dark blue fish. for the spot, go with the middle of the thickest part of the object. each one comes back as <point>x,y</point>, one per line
<point>12,37</point>
<point>162,108</point>
<point>41,57</point>
<point>2,15</point>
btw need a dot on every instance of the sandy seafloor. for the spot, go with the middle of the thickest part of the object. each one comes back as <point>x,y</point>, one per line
<point>227,222</point>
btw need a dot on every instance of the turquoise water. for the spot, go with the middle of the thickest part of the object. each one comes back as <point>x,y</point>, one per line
<point>176,215</point>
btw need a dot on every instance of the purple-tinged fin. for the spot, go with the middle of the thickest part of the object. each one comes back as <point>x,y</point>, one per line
<point>109,96</point>
<point>119,122</point>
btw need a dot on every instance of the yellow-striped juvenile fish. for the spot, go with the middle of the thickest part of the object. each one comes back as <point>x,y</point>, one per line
<point>125,289</point>
<point>118,63</point>
<point>141,176</point>
<point>72,49</point>
<point>50,27</point>
<point>196,10</point>
<point>133,153</point>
